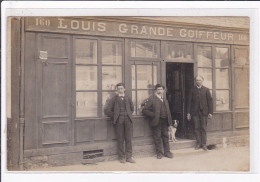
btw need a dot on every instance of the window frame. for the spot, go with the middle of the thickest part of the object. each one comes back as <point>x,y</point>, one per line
<point>130,58</point>
<point>234,68</point>
<point>136,63</point>
<point>99,66</point>
<point>213,68</point>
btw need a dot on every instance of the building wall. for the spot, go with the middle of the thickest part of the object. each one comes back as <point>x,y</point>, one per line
<point>235,22</point>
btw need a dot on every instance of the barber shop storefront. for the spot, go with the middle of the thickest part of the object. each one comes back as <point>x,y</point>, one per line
<point>70,66</point>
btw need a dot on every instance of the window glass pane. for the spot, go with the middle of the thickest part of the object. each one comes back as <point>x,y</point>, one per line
<point>155,71</point>
<point>207,75</point>
<point>86,78</point>
<point>144,49</point>
<point>111,52</point>
<point>86,51</point>
<point>242,87</point>
<point>141,96</point>
<point>133,76</point>
<point>222,100</point>
<point>241,57</point>
<point>86,104</point>
<point>204,56</point>
<point>222,57</point>
<point>144,76</point>
<point>111,75</point>
<point>106,96</point>
<point>134,101</point>
<point>179,51</point>
<point>222,79</point>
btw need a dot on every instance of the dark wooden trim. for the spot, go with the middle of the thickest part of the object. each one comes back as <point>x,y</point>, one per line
<point>13,130</point>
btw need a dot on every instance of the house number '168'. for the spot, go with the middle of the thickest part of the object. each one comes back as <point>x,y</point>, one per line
<point>42,22</point>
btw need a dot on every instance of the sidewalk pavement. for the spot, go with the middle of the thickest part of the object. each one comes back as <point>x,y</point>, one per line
<point>220,159</point>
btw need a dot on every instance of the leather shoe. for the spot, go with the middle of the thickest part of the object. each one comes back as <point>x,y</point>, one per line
<point>159,156</point>
<point>168,154</point>
<point>197,147</point>
<point>131,160</point>
<point>122,161</point>
<point>204,147</point>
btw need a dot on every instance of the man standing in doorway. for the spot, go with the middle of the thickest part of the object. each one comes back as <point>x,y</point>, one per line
<point>200,108</point>
<point>120,109</point>
<point>157,109</point>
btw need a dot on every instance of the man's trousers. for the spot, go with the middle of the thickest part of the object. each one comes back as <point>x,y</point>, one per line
<point>161,137</point>
<point>124,130</point>
<point>200,123</point>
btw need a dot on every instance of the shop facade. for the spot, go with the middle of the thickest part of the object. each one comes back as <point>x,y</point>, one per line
<point>70,66</point>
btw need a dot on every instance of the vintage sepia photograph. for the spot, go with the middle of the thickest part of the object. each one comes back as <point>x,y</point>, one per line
<point>128,93</point>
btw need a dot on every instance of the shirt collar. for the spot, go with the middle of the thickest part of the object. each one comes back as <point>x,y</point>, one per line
<point>160,97</point>
<point>198,86</point>
<point>121,95</point>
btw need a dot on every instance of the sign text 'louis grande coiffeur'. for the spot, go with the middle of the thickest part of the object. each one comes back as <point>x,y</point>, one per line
<point>133,30</point>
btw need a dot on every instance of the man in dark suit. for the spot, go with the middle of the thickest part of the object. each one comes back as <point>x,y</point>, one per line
<point>200,108</point>
<point>120,109</point>
<point>157,109</point>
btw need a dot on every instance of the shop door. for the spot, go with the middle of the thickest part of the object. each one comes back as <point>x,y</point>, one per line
<point>179,81</point>
<point>53,89</point>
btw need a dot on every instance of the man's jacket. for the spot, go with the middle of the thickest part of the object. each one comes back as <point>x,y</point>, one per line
<point>152,109</point>
<point>200,100</point>
<point>112,110</point>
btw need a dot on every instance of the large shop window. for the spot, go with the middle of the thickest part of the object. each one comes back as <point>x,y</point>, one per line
<point>111,69</point>
<point>214,65</point>
<point>86,78</point>
<point>144,70</point>
<point>91,88</point>
<point>144,78</point>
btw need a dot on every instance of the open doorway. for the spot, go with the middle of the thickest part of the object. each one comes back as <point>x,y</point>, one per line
<point>179,81</point>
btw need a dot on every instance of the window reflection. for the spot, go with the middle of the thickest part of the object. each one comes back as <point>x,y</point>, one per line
<point>86,104</point>
<point>86,78</point>
<point>222,79</point>
<point>86,51</point>
<point>180,51</point>
<point>144,49</point>
<point>111,75</point>
<point>204,56</point>
<point>222,100</point>
<point>111,52</point>
<point>221,59</point>
<point>207,75</point>
<point>144,76</point>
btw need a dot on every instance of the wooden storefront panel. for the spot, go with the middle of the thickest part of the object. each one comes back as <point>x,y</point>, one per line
<point>227,121</point>
<point>53,89</point>
<point>138,127</point>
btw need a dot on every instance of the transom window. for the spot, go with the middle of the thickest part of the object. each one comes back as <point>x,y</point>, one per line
<point>144,49</point>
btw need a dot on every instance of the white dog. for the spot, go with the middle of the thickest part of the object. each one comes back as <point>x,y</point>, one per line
<point>172,130</point>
